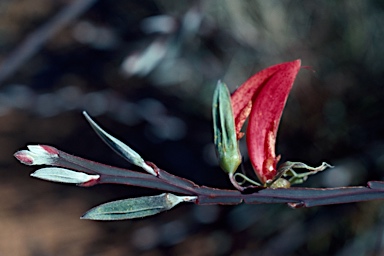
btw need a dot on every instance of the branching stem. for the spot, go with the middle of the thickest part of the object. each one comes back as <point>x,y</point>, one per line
<point>295,197</point>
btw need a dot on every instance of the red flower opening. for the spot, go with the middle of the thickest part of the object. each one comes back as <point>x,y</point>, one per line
<point>262,98</point>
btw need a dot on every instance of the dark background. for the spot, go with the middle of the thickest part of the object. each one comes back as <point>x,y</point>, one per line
<point>146,70</point>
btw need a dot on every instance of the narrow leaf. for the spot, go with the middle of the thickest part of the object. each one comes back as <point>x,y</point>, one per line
<point>119,147</point>
<point>64,175</point>
<point>135,207</point>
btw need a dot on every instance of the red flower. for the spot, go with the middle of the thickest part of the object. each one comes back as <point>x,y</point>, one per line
<point>262,98</point>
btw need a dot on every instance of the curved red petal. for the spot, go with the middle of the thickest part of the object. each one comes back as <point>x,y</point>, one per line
<point>243,97</point>
<point>267,107</point>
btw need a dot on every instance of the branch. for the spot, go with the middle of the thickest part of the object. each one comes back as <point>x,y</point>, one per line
<point>76,170</point>
<point>295,197</point>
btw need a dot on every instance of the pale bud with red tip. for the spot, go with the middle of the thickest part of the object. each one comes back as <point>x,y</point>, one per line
<point>37,155</point>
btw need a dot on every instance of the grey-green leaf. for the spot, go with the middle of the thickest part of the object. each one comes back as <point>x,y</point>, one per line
<point>63,175</point>
<point>135,207</point>
<point>118,146</point>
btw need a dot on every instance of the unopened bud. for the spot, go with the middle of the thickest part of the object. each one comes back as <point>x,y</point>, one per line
<point>225,139</point>
<point>37,155</point>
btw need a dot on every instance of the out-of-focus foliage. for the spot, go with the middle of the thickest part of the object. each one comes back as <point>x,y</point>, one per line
<point>149,68</point>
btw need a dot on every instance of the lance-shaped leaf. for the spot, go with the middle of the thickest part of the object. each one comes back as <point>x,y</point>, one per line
<point>63,175</point>
<point>263,97</point>
<point>119,147</point>
<point>227,146</point>
<point>136,207</point>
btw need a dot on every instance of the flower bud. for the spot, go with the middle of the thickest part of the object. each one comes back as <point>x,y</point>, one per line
<point>37,155</point>
<point>225,139</point>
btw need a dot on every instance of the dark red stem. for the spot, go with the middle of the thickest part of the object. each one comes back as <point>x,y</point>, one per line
<point>295,197</point>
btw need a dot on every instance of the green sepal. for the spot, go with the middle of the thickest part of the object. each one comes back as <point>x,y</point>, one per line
<point>286,171</point>
<point>227,146</point>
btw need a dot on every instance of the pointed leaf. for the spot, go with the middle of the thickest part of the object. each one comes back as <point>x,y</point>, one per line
<point>119,147</point>
<point>63,175</point>
<point>135,207</point>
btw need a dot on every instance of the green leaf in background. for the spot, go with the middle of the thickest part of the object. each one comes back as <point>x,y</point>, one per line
<point>136,207</point>
<point>225,139</point>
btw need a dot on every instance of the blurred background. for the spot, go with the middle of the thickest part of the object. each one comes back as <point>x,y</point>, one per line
<point>146,70</point>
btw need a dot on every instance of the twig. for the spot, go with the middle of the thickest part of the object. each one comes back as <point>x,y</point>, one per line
<point>295,197</point>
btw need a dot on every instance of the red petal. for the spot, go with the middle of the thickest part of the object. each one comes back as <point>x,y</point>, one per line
<point>243,97</point>
<point>273,86</point>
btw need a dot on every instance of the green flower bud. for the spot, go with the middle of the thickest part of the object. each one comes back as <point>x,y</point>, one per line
<point>225,139</point>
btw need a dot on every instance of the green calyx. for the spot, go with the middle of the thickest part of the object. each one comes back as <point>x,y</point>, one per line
<point>227,146</point>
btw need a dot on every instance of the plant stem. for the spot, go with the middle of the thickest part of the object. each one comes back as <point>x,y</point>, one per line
<point>295,197</point>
